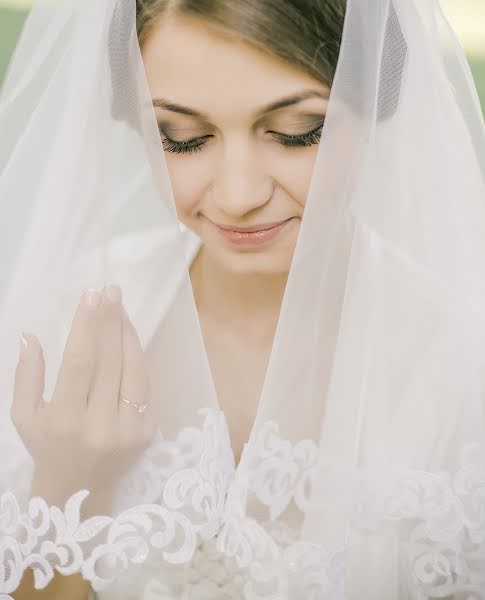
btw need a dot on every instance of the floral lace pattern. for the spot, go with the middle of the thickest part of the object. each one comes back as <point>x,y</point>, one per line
<point>197,518</point>
<point>278,564</point>
<point>444,523</point>
<point>440,517</point>
<point>103,547</point>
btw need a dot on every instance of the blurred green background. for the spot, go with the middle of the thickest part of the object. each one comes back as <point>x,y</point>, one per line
<point>467,18</point>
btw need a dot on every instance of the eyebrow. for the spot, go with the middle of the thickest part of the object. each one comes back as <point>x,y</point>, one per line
<point>282,103</point>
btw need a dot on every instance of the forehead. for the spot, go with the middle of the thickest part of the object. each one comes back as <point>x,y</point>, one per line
<point>194,65</point>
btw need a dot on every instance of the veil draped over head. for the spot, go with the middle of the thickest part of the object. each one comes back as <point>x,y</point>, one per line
<point>364,474</point>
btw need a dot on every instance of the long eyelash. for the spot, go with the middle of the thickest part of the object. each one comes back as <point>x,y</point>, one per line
<point>305,140</point>
<point>191,146</point>
<point>187,147</point>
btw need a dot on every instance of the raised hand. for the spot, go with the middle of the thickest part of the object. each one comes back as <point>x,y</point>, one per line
<point>98,420</point>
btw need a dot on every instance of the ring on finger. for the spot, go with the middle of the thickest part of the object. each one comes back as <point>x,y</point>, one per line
<point>140,406</point>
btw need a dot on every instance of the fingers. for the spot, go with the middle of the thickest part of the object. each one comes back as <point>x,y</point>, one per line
<point>79,357</point>
<point>105,388</point>
<point>103,360</point>
<point>84,432</point>
<point>29,379</point>
<point>134,382</point>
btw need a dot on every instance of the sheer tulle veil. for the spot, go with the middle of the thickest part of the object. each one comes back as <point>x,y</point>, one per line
<point>364,474</point>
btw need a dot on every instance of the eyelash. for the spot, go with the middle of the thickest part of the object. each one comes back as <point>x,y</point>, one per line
<point>289,141</point>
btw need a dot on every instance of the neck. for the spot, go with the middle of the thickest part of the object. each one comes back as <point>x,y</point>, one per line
<point>248,303</point>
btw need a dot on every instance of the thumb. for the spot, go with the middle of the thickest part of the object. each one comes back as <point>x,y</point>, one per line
<point>29,378</point>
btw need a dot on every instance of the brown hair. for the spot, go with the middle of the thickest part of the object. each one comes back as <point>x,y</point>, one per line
<point>303,33</point>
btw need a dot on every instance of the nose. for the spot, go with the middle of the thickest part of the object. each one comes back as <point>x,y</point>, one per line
<point>241,184</point>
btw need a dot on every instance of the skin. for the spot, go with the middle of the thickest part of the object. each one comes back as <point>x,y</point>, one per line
<point>84,430</point>
<point>242,177</point>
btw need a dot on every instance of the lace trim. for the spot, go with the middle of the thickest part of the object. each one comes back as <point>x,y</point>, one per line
<point>439,517</point>
<point>102,547</point>
<point>278,564</point>
<point>444,512</point>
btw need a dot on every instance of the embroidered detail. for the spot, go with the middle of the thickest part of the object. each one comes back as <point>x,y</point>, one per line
<point>274,572</point>
<point>209,576</point>
<point>445,549</point>
<point>277,563</point>
<point>282,472</point>
<point>439,521</point>
<point>103,547</point>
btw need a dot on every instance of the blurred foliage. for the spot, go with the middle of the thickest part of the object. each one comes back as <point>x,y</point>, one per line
<point>467,18</point>
<point>478,69</point>
<point>11,21</point>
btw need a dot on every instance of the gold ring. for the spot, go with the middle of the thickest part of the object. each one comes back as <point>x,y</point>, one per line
<point>140,407</point>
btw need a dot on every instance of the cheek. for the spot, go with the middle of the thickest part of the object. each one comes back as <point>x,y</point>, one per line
<point>296,176</point>
<point>188,184</point>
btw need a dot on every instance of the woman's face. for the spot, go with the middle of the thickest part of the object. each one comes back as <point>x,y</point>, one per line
<point>234,163</point>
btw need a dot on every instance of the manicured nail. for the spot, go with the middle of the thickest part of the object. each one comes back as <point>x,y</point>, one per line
<point>113,292</point>
<point>92,299</point>
<point>24,346</point>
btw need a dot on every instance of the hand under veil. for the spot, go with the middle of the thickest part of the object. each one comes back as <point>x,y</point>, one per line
<point>364,474</point>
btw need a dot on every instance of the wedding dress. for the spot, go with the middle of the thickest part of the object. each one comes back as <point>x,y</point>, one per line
<point>210,575</point>
<point>364,473</point>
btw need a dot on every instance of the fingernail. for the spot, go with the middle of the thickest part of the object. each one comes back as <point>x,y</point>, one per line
<point>124,314</point>
<point>113,292</point>
<point>24,346</point>
<point>92,299</point>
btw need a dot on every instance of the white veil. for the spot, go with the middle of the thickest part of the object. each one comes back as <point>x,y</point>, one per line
<point>364,475</point>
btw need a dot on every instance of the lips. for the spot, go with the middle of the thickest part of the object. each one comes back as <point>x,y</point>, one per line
<point>253,228</point>
<point>256,234</point>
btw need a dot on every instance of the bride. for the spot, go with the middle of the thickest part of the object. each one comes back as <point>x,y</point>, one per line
<point>336,356</point>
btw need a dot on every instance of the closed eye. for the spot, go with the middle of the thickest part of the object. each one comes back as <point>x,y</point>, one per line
<point>196,144</point>
<point>305,139</point>
<point>185,147</point>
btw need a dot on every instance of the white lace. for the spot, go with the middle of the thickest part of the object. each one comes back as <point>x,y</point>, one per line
<point>443,523</point>
<point>440,518</point>
<point>102,547</point>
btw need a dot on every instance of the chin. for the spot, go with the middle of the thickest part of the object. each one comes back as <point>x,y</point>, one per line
<point>261,267</point>
<point>262,261</point>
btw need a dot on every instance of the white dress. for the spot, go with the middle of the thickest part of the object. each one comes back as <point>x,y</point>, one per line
<point>209,575</point>
<point>411,521</point>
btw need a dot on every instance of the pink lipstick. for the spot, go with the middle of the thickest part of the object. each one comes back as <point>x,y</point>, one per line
<point>256,234</point>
